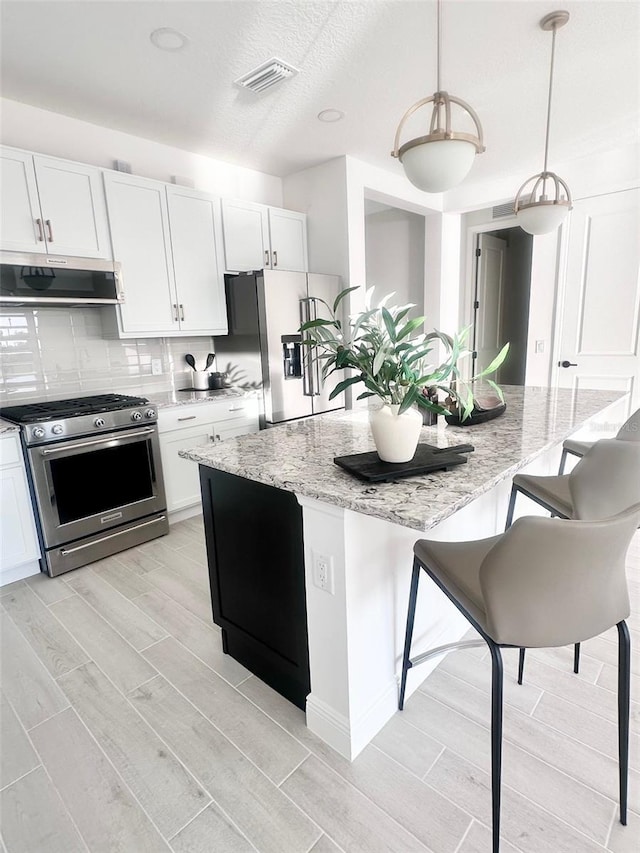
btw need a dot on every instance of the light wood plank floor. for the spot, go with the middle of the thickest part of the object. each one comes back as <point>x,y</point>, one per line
<point>125,728</point>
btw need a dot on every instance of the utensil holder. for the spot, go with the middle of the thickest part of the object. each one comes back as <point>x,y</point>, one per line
<point>200,380</point>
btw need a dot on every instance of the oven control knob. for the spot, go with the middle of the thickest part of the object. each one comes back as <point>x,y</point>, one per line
<point>99,422</point>
<point>38,432</point>
<point>150,413</point>
<point>136,416</point>
<point>57,429</point>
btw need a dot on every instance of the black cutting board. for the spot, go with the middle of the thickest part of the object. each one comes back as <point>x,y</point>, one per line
<point>369,466</point>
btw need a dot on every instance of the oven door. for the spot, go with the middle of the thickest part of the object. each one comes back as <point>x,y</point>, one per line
<point>86,485</point>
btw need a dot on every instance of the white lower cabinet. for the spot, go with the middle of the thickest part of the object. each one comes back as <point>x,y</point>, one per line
<point>19,549</point>
<point>198,425</point>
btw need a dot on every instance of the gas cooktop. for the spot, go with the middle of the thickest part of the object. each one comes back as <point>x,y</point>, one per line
<point>76,407</point>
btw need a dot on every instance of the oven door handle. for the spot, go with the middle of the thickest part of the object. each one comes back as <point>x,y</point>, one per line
<point>66,551</point>
<point>96,441</point>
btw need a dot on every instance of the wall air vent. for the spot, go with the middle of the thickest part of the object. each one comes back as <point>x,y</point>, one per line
<point>266,75</point>
<point>503,210</point>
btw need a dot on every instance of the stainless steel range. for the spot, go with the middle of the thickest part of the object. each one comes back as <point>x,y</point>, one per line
<point>95,474</point>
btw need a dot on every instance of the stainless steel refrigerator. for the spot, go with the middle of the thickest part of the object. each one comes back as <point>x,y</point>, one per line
<point>265,311</point>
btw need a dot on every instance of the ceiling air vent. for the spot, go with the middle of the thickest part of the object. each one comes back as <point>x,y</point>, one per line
<point>266,75</point>
<point>503,210</point>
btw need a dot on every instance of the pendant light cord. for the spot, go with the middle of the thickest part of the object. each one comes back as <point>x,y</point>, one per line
<point>546,141</point>
<point>438,45</point>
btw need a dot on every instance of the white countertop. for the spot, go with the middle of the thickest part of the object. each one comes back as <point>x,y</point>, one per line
<point>299,456</point>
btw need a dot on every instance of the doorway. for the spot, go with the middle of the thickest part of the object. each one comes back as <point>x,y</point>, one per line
<point>501,301</point>
<point>395,254</point>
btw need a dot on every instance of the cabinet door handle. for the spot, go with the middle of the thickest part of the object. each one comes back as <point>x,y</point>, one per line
<point>237,409</point>
<point>267,262</point>
<point>175,312</point>
<point>275,258</point>
<point>49,229</point>
<point>40,231</point>
<point>181,311</point>
<point>188,418</point>
<point>212,439</point>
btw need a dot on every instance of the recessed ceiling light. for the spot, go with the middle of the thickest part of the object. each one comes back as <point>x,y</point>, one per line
<point>167,38</point>
<point>331,115</point>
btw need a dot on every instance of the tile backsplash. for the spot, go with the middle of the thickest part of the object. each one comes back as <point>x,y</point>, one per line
<point>48,353</point>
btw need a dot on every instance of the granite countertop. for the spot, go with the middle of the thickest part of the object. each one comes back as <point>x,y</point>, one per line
<point>299,456</point>
<point>164,399</point>
<point>6,427</point>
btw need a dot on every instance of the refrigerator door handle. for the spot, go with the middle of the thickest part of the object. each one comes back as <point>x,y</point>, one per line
<point>307,355</point>
<point>313,356</point>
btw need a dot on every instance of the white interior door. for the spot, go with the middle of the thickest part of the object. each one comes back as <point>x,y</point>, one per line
<point>488,305</point>
<point>598,334</point>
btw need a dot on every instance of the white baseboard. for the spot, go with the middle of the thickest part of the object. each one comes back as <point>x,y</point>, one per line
<point>18,573</point>
<point>184,514</point>
<point>349,737</point>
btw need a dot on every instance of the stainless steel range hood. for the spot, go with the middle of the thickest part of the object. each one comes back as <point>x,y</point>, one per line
<point>33,280</point>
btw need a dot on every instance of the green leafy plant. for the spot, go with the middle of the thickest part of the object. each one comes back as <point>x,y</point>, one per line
<point>394,363</point>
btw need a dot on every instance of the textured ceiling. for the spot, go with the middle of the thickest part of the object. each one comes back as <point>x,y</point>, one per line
<point>373,59</point>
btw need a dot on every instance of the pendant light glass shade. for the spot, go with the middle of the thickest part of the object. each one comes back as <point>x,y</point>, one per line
<point>538,212</point>
<point>438,165</point>
<point>441,159</point>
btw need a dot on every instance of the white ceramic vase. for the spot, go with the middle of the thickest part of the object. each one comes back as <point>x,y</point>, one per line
<point>395,436</point>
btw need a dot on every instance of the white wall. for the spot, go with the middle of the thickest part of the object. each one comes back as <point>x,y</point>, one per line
<point>45,132</point>
<point>395,255</point>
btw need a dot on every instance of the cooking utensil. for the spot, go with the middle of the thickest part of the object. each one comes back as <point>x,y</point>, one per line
<point>210,358</point>
<point>190,361</point>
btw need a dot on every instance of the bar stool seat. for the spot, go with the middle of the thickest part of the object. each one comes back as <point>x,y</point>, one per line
<point>545,582</point>
<point>577,447</point>
<point>605,481</point>
<point>629,431</point>
<point>458,565</point>
<point>552,492</point>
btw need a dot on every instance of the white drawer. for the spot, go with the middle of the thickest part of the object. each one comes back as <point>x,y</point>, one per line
<point>10,450</point>
<point>179,417</point>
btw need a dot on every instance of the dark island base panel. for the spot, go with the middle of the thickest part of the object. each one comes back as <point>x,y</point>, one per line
<point>255,556</point>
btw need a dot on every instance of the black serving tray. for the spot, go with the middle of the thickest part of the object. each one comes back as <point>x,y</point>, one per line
<point>427,458</point>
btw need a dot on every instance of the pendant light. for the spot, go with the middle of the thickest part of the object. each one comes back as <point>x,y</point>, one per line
<point>544,207</point>
<point>441,159</point>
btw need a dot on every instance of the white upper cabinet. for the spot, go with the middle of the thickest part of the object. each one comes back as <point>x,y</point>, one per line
<point>260,237</point>
<point>166,239</point>
<point>52,206</point>
<point>140,236</point>
<point>196,241</point>
<point>288,237</point>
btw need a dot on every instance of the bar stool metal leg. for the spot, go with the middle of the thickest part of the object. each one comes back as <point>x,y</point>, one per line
<point>576,658</point>
<point>624,687</point>
<point>496,739</point>
<point>413,597</point>
<point>563,460</point>
<point>520,666</point>
<point>512,505</point>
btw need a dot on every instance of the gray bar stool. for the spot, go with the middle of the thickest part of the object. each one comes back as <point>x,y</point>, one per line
<point>543,583</point>
<point>629,431</point>
<point>605,481</point>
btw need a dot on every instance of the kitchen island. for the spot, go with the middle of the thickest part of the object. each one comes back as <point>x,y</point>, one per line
<point>340,550</point>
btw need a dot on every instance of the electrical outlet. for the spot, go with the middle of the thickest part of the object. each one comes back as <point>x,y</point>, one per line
<point>539,346</point>
<point>156,366</point>
<point>323,572</point>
